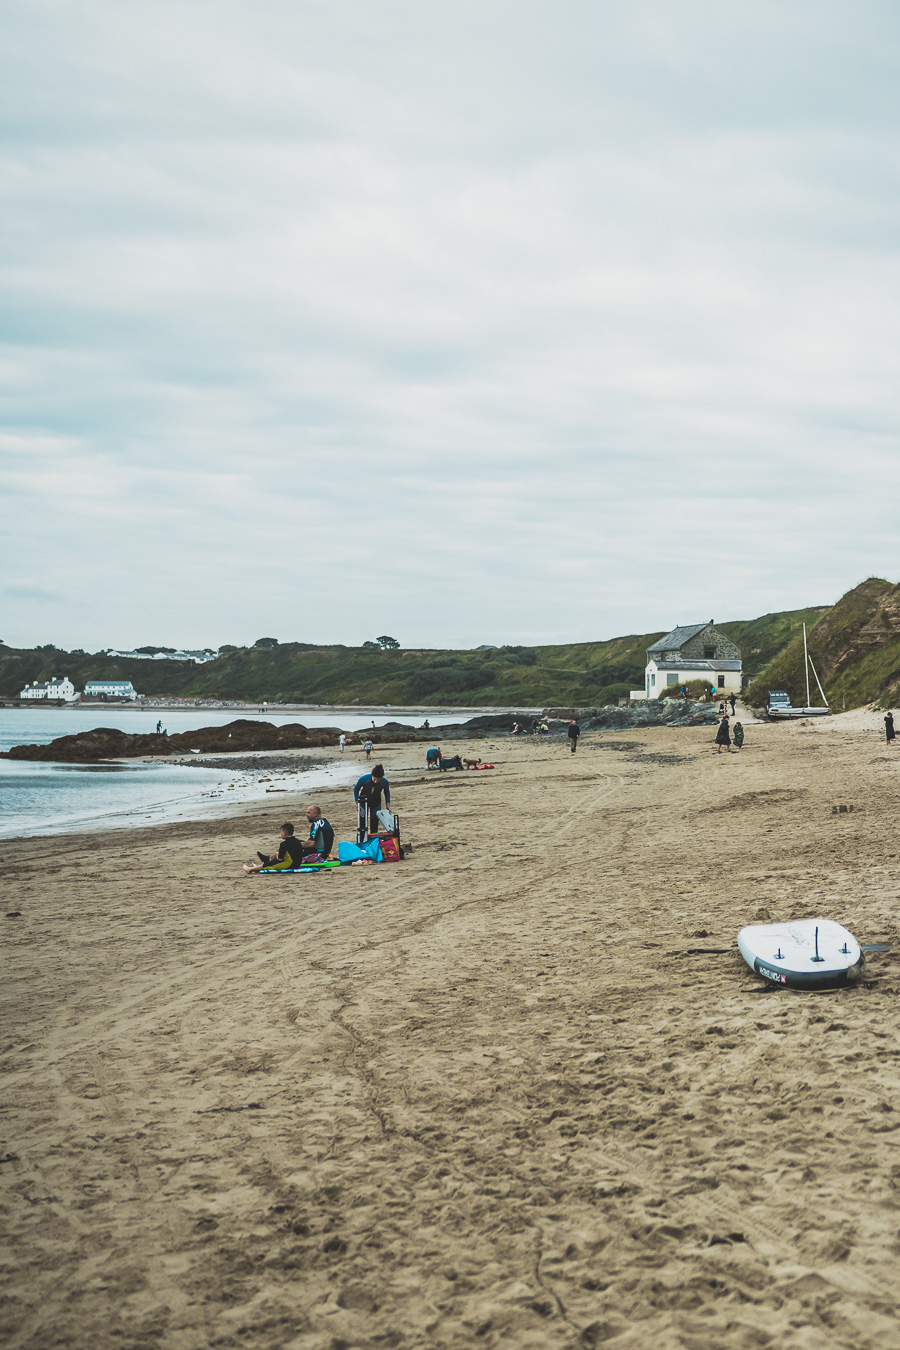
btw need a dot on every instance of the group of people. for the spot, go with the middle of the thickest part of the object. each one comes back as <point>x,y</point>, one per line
<point>369,791</point>
<point>725,734</point>
<point>367,746</point>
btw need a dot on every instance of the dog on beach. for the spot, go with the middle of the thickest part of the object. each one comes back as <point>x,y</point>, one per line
<point>472,763</point>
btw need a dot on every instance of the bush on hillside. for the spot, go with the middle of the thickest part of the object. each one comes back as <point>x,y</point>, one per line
<point>697,690</point>
<point>611,693</point>
<point>443,680</point>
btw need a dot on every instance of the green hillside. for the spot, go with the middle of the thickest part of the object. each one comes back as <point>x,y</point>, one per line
<point>578,674</point>
<point>855,648</point>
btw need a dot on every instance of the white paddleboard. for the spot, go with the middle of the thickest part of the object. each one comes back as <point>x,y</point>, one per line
<point>803,953</point>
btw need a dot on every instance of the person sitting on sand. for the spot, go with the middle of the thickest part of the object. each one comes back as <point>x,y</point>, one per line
<point>290,853</point>
<point>738,735</point>
<point>321,835</point>
<point>369,790</point>
<point>723,737</point>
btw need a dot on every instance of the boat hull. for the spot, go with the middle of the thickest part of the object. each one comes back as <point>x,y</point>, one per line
<point>792,714</point>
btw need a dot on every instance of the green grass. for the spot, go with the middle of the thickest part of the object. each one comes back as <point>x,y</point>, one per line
<point>578,674</point>
<point>855,648</point>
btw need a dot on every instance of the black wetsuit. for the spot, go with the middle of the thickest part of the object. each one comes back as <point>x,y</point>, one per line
<point>290,853</point>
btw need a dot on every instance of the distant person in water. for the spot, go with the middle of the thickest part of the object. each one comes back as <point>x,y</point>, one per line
<point>290,852</point>
<point>723,737</point>
<point>889,727</point>
<point>738,735</point>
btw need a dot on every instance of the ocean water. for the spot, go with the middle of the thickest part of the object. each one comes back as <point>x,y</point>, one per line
<point>48,798</point>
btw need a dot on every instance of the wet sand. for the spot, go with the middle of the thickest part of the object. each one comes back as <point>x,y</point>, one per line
<point>480,1097</point>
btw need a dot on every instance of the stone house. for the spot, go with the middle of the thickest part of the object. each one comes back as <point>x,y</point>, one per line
<point>696,652</point>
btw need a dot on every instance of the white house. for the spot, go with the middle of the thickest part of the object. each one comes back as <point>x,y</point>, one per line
<point>109,689</point>
<point>183,654</point>
<point>55,688</point>
<point>696,652</point>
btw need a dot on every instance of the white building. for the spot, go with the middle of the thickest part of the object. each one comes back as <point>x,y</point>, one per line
<point>55,688</point>
<point>696,652</point>
<point>183,654</point>
<point>110,689</point>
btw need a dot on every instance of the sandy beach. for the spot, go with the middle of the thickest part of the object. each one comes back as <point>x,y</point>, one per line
<point>481,1097</point>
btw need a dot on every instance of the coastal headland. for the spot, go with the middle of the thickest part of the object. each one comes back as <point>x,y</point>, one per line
<point>490,1095</point>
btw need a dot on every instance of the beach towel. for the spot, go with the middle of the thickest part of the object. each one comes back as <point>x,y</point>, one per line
<point>369,852</point>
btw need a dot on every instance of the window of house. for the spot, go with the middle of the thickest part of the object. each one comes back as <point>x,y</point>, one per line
<point>721,681</point>
<point>709,653</point>
<point>653,679</point>
<point>671,679</point>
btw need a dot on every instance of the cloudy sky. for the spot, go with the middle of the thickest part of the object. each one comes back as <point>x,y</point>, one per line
<point>464,322</point>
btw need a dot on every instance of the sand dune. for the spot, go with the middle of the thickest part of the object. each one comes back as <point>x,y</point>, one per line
<point>481,1097</point>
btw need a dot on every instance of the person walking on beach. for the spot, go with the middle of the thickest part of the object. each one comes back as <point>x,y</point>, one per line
<point>343,739</point>
<point>573,733</point>
<point>368,749</point>
<point>290,852</point>
<point>738,734</point>
<point>889,727</point>
<point>732,700</point>
<point>723,737</point>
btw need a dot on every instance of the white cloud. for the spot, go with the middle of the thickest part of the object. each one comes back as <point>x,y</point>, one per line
<point>519,322</point>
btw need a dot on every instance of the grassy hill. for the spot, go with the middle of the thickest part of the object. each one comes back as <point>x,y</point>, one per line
<point>855,647</point>
<point>580,674</point>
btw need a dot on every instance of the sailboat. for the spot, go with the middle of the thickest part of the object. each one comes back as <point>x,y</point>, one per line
<point>778,705</point>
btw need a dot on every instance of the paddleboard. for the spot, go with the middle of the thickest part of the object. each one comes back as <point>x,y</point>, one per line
<point>804,953</point>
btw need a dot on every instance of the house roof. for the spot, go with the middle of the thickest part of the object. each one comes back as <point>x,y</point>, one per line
<point>678,637</point>
<point>697,665</point>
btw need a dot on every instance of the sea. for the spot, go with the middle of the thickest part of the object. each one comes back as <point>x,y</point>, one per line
<point>49,798</point>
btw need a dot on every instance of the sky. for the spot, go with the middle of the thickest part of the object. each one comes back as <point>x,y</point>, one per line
<point>462,322</point>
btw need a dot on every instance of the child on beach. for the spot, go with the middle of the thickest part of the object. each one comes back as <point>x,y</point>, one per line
<point>290,852</point>
<point>738,734</point>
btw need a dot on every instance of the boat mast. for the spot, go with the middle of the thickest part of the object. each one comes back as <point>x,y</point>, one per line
<point>806,665</point>
<point>818,682</point>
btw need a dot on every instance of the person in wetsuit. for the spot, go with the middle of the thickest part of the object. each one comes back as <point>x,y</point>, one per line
<point>290,853</point>
<point>369,790</point>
